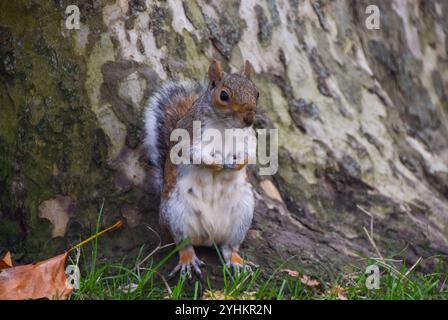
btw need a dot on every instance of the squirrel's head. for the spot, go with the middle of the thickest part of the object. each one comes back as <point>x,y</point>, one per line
<point>234,93</point>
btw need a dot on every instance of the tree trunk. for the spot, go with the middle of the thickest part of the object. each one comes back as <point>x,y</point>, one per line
<point>362,117</point>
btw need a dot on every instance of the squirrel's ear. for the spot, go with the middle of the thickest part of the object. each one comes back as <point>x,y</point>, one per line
<point>214,72</point>
<point>247,69</point>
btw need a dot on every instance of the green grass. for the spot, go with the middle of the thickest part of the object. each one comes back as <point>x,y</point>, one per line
<point>110,281</point>
<point>103,280</point>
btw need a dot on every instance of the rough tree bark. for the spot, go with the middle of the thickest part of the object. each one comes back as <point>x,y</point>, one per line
<point>362,119</point>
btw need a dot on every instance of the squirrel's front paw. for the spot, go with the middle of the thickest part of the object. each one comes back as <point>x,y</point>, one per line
<point>188,262</point>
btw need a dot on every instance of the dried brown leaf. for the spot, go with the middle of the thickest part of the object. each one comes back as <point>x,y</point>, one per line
<point>45,279</point>
<point>339,291</point>
<point>306,280</point>
<point>309,282</point>
<point>292,273</point>
<point>6,261</point>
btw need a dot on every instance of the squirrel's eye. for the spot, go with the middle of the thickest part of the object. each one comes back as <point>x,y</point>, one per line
<point>224,96</point>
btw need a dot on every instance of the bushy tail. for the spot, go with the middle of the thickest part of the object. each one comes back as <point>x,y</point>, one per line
<point>164,109</point>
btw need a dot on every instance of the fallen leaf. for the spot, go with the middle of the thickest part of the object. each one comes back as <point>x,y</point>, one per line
<point>306,280</point>
<point>309,282</point>
<point>342,296</point>
<point>45,279</point>
<point>339,291</point>
<point>6,261</point>
<point>292,273</point>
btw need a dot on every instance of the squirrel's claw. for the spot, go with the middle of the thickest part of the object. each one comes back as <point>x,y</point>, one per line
<point>174,271</point>
<point>246,267</point>
<point>238,264</point>
<point>185,268</point>
<point>197,264</point>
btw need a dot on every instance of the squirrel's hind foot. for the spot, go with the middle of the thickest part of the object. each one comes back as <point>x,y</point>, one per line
<point>239,265</point>
<point>188,262</point>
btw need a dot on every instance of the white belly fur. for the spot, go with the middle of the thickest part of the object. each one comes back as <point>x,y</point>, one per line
<point>210,198</point>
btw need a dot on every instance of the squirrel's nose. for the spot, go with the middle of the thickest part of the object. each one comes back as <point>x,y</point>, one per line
<point>248,118</point>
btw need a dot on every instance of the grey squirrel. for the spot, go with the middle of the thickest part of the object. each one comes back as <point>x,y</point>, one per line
<point>211,202</point>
